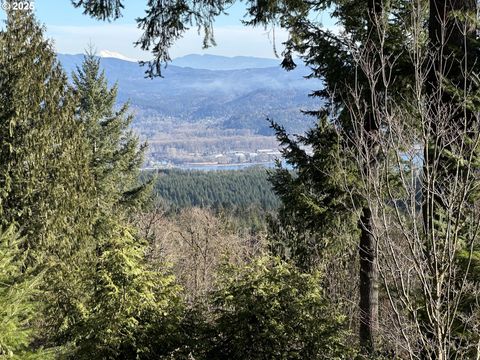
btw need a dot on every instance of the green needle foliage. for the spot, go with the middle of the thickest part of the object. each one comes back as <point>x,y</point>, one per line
<point>270,310</point>
<point>129,303</point>
<point>315,204</point>
<point>43,166</point>
<point>69,178</point>
<point>124,300</point>
<point>115,152</point>
<point>17,308</point>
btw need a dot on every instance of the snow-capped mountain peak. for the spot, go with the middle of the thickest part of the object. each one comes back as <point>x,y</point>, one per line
<point>116,55</point>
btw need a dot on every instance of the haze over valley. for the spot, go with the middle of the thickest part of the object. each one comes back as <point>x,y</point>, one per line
<point>198,116</point>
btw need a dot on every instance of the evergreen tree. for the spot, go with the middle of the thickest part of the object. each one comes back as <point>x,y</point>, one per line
<point>116,155</point>
<point>314,199</point>
<point>17,306</point>
<point>45,179</point>
<point>270,310</point>
<point>43,167</point>
<point>126,309</point>
<point>236,190</point>
<point>132,312</point>
<point>331,59</point>
<point>452,32</point>
<point>68,179</point>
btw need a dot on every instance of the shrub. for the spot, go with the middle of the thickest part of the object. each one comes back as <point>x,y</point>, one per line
<point>271,310</point>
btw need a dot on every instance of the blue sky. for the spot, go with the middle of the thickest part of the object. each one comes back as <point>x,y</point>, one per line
<point>72,32</point>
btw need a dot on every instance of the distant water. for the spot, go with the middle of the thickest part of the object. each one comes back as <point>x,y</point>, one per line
<point>219,167</point>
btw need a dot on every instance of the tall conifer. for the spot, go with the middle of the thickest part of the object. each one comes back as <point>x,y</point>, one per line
<point>43,168</point>
<point>124,300</point>
<point>115,151</point>
<point>45,180</point>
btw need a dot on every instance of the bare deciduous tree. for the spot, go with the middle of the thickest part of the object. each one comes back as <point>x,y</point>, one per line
<point>195,242</point>
<point>422,187</point>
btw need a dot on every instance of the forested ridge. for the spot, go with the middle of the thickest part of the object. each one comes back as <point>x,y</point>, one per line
<point>227,189</point>
<point>366,246</point>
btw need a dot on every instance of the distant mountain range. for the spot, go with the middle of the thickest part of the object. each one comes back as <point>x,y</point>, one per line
<point>239,94</point>
<point>215,62</point>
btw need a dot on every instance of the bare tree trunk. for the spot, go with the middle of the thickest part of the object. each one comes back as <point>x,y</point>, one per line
<point>368,284</point>
<point>368,247</point>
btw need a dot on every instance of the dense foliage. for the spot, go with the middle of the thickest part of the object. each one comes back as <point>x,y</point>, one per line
<point>132,310</point>
<point>314,190</point>
<point>43,159</point>
<point>217,189</point>
<point>401,84</point>
<point>270,310</point>
<point>69,176</point>
<point>16,293</point>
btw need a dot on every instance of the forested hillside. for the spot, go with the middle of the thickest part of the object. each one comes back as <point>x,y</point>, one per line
<point>234,189</point>
<point>240,98</point>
